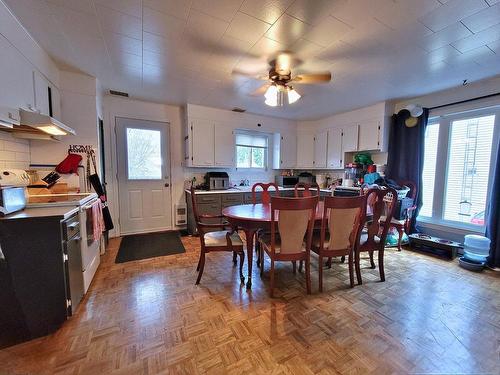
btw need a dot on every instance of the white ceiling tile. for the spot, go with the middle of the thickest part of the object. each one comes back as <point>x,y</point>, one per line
<point>118,22</point>
<point>446,36</point>
<point>287,29</point>
<point>123,58</point>
<point>311,12</point>
<point>266,10</point>
<point>266,47</point>
<point>477,40</point>
<point>205,27</point>
<point>222,9</point>
<point>355,13</point>
<point>247,28</point>
<point>162,24</point>
<point>451,12</point>
<point>84,6</point>
<point>327,31</point>
<point>130,7</point>
<point>123,43</point>
<point>495,46</point>
<point>73,23</point>
<point>476,55</point>
<point>157,59</point>
<point>229,46</point>
<point>176,8</point>
<point>491,2</point>
<point>444,53</point>
<point>482,20</point>
<point>159,44</point>
<point>305,49</point>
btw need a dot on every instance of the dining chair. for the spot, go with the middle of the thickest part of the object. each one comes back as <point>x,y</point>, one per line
<point>306,190</point>
<point>265,199</point>
<point>341,226</point>
<point>292,221</point>
<point>403,225</point>
<point>211,239</point>
<point>381,202</point>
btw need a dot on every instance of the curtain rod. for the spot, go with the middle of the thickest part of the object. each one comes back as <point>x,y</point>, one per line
<point>465,101</point>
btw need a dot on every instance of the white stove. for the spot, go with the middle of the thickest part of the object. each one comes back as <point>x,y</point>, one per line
<point>90,246</point>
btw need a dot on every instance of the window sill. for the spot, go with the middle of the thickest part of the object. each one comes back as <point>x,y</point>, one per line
<point>448,226</point>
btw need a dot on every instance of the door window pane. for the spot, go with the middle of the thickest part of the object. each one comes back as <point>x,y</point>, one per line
<point>468,169</point>
<point>144,158</point>
<point>429,171</point>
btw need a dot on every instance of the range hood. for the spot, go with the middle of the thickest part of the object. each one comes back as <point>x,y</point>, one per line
<point>42,124</point>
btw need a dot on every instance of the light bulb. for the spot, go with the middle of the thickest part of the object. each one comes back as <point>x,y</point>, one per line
<point>293,96</point>
<point>271,92</point>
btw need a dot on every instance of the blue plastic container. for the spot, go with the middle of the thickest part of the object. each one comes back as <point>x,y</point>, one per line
<point>476,248</point>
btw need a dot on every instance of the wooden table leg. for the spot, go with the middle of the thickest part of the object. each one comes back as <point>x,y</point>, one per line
<point>249,234</point>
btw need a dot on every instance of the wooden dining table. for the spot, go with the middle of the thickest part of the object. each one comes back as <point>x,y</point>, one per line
<point>253,217</point>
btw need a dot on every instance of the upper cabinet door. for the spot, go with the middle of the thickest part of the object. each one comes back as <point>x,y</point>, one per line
<point>369,135</point>
<point>224,146</point>
<point>305,150</point>
<point>320,149</point>
<point>203,143</point>
<point>350,138</point>
<point>41,93</point>
<point>56,103</point>
<point>335,154</point>
<point>288,150</point>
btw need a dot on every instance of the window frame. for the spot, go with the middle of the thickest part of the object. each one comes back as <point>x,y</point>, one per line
<point>439,195</point>
<point>266,150</point>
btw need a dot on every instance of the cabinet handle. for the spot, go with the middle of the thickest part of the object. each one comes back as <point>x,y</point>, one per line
<point>73,225</point>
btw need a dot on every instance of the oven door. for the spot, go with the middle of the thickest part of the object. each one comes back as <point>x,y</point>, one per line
<point>90,247</point>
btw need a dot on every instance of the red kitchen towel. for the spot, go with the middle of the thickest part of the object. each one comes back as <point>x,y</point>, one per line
<point>97,219</point>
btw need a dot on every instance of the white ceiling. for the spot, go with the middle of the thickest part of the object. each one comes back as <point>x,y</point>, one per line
<point>180,51</point>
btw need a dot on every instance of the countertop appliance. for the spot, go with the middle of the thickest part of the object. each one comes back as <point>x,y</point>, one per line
<point>12,199</point>
<point>286,181</point>
<point>90,248</point>
<point>217,180</point>
<point>307,178</point>
<point>343,191</point>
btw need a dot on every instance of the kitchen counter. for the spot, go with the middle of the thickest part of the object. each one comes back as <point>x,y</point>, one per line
<point>245,189</point>
<point>43,212</point>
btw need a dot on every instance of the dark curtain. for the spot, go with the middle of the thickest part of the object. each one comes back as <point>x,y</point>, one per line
<point>492,217</point>
<point>405,159</point>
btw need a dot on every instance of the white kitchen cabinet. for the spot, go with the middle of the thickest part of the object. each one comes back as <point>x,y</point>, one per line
<point>285,151</point>
<point>16,78</point>
<point>41,87</point>
<point>335,155</point>
<point>350,138</point>
<point>202,143</point>
<point>320,149</point>
<point>305,150</point>
<point>224,145</point>
<point>56,102</point>
<point>369,135</point>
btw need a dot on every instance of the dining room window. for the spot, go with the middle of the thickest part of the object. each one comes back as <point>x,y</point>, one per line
<point>251,150</point>
<point>457,167</point>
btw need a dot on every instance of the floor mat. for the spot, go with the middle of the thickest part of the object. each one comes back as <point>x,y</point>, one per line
<point>149,245</point>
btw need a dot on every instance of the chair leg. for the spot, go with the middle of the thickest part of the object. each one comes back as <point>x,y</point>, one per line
<point>258,249</point>
<point>342,259</point>
<point>199,262</point>
<point>300,265</point>
<point>262,263</point>
<point>271,284</point>
<point>400,231</point>
<point>320,273</point>
<point>351,271</point>
<point>234,258</point>
<point>294,266</point>
<point>308,276</point>
<point>329,262</point>
<point>242,261</point>
<point>372,263</point>
<point>202,266</point>
<point>358,268</point>
<point>381,264</point>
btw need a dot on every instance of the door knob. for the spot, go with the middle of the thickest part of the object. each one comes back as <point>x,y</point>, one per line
<point>167,184</point>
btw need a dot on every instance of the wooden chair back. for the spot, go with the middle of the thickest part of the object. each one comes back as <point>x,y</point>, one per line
<point>343,220</point>
<point>293,219</point>
<point>308,190</point>
<point>266,195</point>
<point>383,203</point>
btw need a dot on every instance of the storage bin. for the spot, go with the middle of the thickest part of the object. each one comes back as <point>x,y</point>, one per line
<point>476,248</point>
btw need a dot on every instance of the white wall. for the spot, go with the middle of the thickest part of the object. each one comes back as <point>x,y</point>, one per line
<point>79,111</point>
<point>14,153</point>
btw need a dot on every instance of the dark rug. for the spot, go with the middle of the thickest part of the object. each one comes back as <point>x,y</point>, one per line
<point>150,245</point>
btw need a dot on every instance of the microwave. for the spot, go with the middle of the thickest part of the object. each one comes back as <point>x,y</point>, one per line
<point>286,181</point>
<point>12,199</point>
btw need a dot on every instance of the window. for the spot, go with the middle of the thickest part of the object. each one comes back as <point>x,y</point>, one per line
<point>144,158</point>
<point>251,150</point>
<point>457,163</point>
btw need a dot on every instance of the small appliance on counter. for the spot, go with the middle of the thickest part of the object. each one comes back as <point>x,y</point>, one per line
<point>307,178</point>
<point>217,181</point>
<point>286,181</point>
<point>12,199</point>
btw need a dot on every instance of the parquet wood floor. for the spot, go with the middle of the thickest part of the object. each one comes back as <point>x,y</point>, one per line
<point>148,317</point>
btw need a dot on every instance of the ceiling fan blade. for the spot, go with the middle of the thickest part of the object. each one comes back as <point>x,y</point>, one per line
<point>313,78</point>
<point>242,73</point>
<point>261,90</point>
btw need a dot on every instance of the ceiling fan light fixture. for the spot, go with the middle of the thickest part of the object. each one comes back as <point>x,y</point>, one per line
<point>271,92</point>
<point>293,95</point>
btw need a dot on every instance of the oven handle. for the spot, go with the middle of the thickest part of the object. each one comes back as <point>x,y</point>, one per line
<point>88,206</point>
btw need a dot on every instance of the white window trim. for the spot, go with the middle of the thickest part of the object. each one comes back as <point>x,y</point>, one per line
<point>445,120</point>
<point>266,150</point>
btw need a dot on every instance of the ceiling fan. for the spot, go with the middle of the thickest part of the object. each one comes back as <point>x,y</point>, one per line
<point>279,91</point>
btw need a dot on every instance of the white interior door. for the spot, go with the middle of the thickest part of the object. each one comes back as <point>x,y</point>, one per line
<point>143,175</point>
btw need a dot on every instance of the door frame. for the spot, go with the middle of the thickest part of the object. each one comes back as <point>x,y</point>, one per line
<point>113,163</point>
